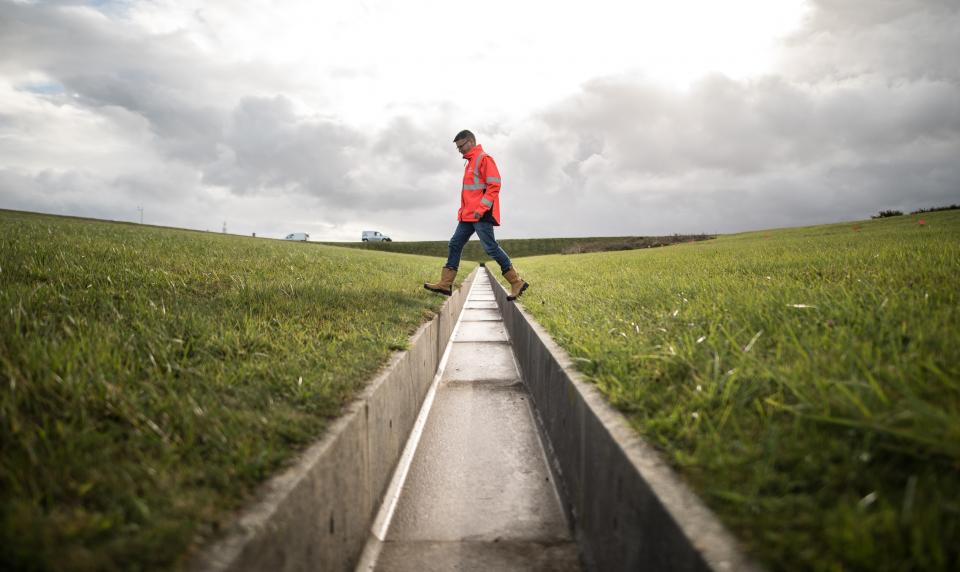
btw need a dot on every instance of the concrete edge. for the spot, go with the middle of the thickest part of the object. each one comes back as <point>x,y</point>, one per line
<point>316,514</point>
<point>629,509</point>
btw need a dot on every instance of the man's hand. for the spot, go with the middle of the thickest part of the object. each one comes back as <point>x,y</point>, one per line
<point>478,214</point>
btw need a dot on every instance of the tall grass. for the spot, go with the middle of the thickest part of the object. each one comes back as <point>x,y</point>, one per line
<point>151,378</point>
<point>805,381</point>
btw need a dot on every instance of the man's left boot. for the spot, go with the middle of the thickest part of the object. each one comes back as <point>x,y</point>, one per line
<point>517,284</point>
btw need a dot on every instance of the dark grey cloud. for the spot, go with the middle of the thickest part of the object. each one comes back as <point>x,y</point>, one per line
<point>266,145</point>
<point>744,127</point>
<point>185,129</point>
<point>896,39</point>
<point>73,192</point>
<point>399,166</point>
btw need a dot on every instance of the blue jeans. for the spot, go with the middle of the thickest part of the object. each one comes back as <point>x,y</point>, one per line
<point>485,231</point>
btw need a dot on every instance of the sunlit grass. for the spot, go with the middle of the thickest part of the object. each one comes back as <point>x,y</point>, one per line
<point>150,378</point>
<point>806,381</point>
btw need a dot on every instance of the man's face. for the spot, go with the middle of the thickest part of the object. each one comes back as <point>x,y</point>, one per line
<point>464,146</point>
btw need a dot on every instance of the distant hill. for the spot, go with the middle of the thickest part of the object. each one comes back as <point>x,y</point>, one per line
<point>520,247</point>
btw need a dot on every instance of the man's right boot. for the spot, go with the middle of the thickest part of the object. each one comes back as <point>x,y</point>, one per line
<point>445,285</point>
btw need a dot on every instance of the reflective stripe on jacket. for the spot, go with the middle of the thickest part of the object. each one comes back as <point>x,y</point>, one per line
<point>481,187</point>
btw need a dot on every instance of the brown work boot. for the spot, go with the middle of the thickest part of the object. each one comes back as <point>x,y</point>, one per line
<point>445,285</point>
<point>517,284</point>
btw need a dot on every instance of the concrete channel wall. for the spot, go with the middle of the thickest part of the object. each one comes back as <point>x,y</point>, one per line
<point>628,508</point>
<point>317,514</point>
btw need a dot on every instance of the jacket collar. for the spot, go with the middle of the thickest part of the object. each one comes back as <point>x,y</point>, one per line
<point>477,149</point>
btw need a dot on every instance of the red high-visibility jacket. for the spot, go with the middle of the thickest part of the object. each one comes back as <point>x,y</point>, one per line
<point>481,187</point>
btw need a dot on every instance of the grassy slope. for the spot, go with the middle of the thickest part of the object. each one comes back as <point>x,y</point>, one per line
<point>828,436</point>
<point>520,247</point>
<point>150,378</point>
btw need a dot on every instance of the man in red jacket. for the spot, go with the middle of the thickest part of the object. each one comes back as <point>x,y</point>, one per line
<point>479,212</point>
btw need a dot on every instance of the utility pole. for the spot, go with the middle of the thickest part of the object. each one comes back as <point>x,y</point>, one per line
<point>140,208</point>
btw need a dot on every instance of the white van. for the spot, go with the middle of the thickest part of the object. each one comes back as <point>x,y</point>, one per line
<point>374,236</point>
<point>297,236</point>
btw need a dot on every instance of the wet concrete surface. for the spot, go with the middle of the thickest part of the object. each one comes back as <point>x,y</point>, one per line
<point>481,361</point>
<point>478,494</point>
<point>505,556</point>
<point>479,474</point>
<point>482,332</point>
<point>482,304</point>
<point>474,314</point>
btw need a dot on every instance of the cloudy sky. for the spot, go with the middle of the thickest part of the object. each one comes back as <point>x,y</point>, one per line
<point>605,117</point>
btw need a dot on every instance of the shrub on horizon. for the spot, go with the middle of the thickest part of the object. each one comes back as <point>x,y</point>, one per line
<point>935,209</point>
<point>887,213</point>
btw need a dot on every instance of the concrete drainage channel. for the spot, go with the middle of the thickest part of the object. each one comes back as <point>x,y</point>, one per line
<point>474,490</point>
<point>513,462</point>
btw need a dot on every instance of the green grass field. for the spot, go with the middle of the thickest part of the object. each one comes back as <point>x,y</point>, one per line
<point>151,378</point>
<point>521,247</point>
<point>806,382</point>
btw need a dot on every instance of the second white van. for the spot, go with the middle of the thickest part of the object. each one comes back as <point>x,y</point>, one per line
<point>374,236</point>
